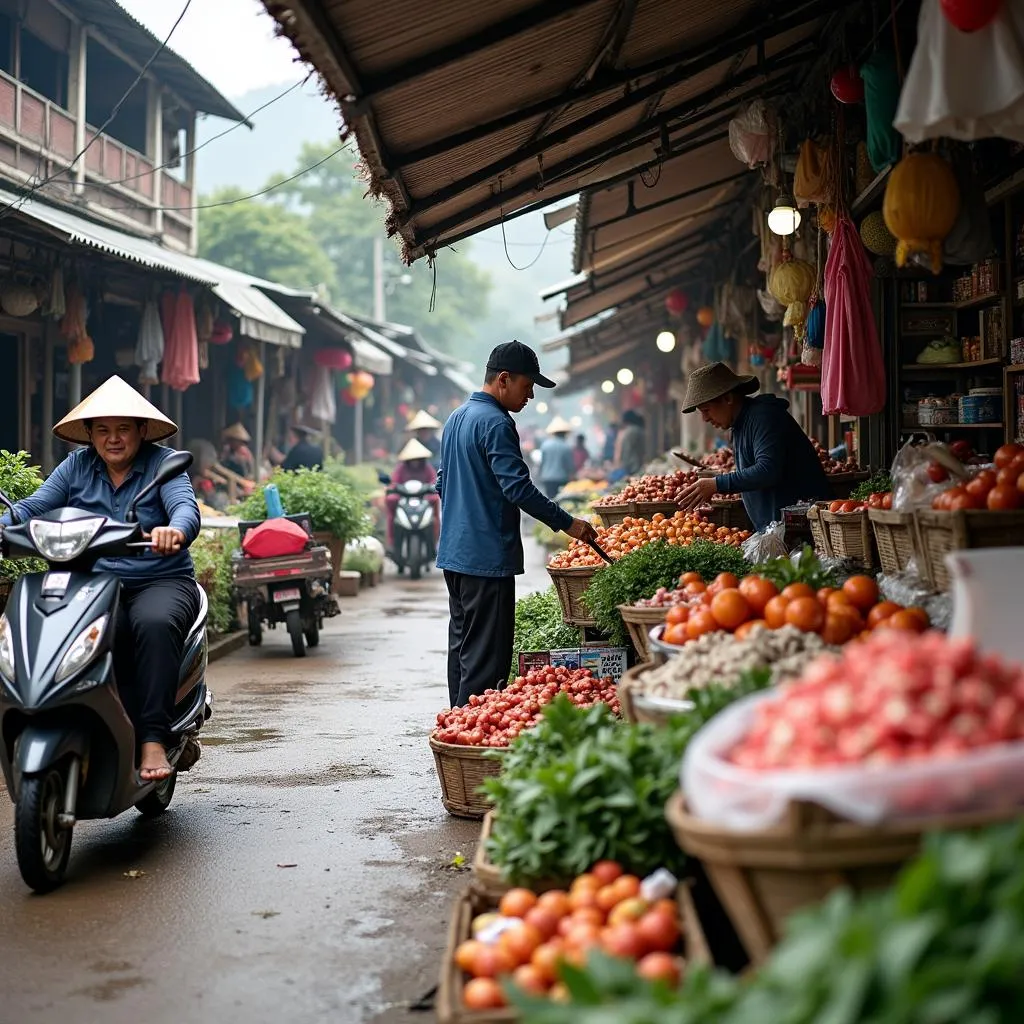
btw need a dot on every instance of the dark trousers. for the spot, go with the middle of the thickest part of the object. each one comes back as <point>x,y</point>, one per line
<point>480,633</point>
<point>152,623</point>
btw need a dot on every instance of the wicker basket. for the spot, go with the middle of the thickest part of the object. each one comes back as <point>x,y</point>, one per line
<point>939,533</point>
<point>449,1006</point>
<point>842,484</point>
<point>822,544</point>
<point>649,509</point>
<point>850,537</point>
<point>487,877</point>
<point>639,622</point>
<point>461,771</point>
<point>612,515</point>
<point>732,514</point>
<point>895,540</point>
<point>642,709</point>
<point>762,877</point>
<point>570,585</point>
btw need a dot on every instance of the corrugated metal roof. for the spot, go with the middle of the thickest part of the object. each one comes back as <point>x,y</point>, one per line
<point>261,318</point>
<point>468,113</point>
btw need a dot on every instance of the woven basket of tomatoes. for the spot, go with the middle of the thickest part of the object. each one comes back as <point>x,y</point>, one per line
<point>461,771</point>
<point>613,515</point>
<point>849,533</point>
<point>819,535</point>
<point>570,585</point>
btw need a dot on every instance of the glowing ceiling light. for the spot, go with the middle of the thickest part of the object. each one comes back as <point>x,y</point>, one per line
<point>624,376</point>
<point>666,341</point>
<point>608,386</point>
<point>785,218</point>
<point>542,407</point>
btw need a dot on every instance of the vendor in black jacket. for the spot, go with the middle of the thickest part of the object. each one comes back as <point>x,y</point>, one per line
<point>776,464</point>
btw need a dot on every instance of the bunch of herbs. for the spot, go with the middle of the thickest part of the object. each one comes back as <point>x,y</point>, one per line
<point>803,567</point>
<point>19,479</point>
<point>539,626</point>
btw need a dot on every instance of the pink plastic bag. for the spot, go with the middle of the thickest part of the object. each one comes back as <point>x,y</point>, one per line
<point>852,369</point>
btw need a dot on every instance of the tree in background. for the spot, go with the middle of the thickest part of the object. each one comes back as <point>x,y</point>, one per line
<point>327,206</point>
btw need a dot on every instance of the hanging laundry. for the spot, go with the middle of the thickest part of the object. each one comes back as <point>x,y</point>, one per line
<point>249,362</point>
<point>240,390</point>
<point>149,348</point>
<point>322,405</point>
<point>204,320</point>
<point>852,368</point>
<point>180,368</point>
<point>55,306</point>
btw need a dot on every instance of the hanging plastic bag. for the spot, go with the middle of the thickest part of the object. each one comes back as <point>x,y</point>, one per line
<point>881,97</point>
<point>240,390</point>
<point>752,134</point>
<point>852,367</point>
<point>149,347</point>
<point>766,544</point>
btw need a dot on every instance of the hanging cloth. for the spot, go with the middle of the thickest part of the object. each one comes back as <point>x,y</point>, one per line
<point>322,405</point>
<point>55,305</point>
<point>811,181</point>
<point>180,368</point>
<point>73,328</point>
<point>881,96</point>
<point>240,390</point>
<point>852,368</point>
<point>965,85</point>
<point>149,347</point>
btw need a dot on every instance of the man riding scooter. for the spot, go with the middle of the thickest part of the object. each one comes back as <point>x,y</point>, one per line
<point>413,465</point>
<point>160,599</point>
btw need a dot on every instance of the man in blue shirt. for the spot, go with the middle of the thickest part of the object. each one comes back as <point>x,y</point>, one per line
<point>557,461</point>
<point>484,482</point>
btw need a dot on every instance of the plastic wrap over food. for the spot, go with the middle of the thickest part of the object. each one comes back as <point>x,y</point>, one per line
<point>914,472</point>
<point>721,792</point>
<point>766,544</point>
<point>910,590</point>
<point>752,134</point>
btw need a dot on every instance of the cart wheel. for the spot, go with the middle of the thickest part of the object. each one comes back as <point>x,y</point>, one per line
<point>313,635</point>
<point>294,623</point>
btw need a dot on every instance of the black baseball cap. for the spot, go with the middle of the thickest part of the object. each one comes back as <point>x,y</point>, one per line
<point>515,357</point>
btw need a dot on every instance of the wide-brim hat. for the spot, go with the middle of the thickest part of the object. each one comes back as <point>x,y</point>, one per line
<point>709,382</point>
<point>236,432</point>
<point>423,421</point>
<point>414,450</point>
<point>559,426</point>
<point>114,398</point>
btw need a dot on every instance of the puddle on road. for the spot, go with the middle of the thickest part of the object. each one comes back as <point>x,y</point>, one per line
<point>323,777</point>
<point>240,736</point>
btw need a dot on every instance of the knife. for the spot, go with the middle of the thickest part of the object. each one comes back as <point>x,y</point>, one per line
<point>597,547</point>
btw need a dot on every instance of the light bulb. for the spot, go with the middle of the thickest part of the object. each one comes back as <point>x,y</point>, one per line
<point>542,407</point>
<point>607,386</point>
<point>785,218</point>
<point>666,341</point>
<point>624,376</point>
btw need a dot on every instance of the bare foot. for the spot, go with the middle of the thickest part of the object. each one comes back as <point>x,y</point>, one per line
<point>155,767</point>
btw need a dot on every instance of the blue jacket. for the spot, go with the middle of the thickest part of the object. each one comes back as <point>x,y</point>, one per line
<point>484,482</point>
<point>557,462</point>
<point>776,465</point>
<point>81,481</point>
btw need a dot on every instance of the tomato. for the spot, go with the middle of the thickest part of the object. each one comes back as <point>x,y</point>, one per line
<point>937,472</point>
<point>466,953</point>
<point>580,899</point>
<point>694,588</point>
<point>887,502</point>
<point>922,616</point>
<point>904,620</point>
<point>836,506</point>
<point>748,627</point>
<point>775,612</point>
<point>516,902</point>
<point>1006,454</point>
<point>758,592</point>
<point>520,941</point>
<point>556,901</point>
<point>837,629</point>
<point>730,609</point>
<point>546,960</point>
<point>490,961</point>
<point>628,910</point>
<point>1003,498</point>
<point>881,612</point>
<point>623,940</point>
<point>965,502</point>
<point>627,887</point>
<point>483,994</point>
<point>661,967</point>
<point>795,590</point>
<point>529,979</point>
<point>659,932</point>
<point>850,506</point>
<point>690,577</point>
<point>676,634</point>
<point>862,592</point>
<point>677,616</point>
<point>701,622</point>
<point>806,613</point>
<point>726,581</point>
<point>981,484</point>
<point>824,593</point>
<point>1007,477</point>
<point>544,920</point>
<point>607,871</point>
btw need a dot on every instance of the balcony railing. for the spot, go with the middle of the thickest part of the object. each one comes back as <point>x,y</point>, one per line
<point>41,124</point>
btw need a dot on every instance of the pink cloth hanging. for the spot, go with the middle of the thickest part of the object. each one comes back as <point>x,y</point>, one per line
<point>180,369</point>
<point>852,368</point>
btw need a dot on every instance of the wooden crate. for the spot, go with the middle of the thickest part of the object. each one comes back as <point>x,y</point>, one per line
<point>895,540</point>
<point>850,536</point>
<point>639,622</point>
<point>461,771</point>
<point>763,877</point>
<point>570,585</point>
<point>487,877</point>
<point>819,535</point>
<point>939,533</point>
<point>649,509</point>
<point>613,515</point>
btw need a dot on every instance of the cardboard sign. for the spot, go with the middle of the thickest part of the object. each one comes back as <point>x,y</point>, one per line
<point>602,661</point>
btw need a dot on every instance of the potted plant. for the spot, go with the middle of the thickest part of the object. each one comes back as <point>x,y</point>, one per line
<point>365,555</point>
<point>18,480</point>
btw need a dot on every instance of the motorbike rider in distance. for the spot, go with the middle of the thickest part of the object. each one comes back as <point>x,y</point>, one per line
<point>413,464</point>
<point>119,430</point>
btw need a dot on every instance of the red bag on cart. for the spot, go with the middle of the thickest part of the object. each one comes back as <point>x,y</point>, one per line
<point>852,368</point>
<point>275,538</point>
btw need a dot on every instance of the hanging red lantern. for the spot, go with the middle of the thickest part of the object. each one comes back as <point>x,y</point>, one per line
<point>677,302</point>
<point>970,15</point>
<point>705,316</point>
<point>332,358</point>
<point>847,85</point>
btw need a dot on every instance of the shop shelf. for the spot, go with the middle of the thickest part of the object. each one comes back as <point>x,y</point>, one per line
<point>936,429</point>
<point>991,299</point>
<point>995,361</point>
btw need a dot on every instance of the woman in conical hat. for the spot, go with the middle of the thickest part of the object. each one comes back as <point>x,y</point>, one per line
<point>119,430</point>
<point>424,428</point>
<point>236,454</point>
<point>413,464</point>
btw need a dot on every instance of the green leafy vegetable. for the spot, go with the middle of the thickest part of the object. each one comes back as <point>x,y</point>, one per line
<point>211,554</point>
<point>879,483</point>
<point>804,567</point>
<point>640,573</point>
<point>539,626</point>
<point>18,480</point>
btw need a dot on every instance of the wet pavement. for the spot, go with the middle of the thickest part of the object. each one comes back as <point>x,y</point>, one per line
<point>304,871</point>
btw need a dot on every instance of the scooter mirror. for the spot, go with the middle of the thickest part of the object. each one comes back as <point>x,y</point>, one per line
<point>383,477</point>
<point>174,465</point>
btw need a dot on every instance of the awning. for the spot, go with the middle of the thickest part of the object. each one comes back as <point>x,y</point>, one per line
<point>467,114</point>
<point>261,318</point>
<point>370,358</point>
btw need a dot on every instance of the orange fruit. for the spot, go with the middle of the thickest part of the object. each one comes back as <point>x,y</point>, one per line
<point>730,609</point>
<point>546,959</point>
<point>556,901</point>
<point>758,592</point>
<point>726,581</point>
<point>530,979</point>
<point>694,588</point>
<point>677,615</point>
<point>701,622</point>
<point>483,994</point>
<point>676,634</point>
<point>466,953</point>
<point>806,613</point>
<point>837,629</point>
<point>881,612</point>
<point>795,590</point>
<point>516,902</point>
<point>748,627</point>
<point>690,577</point>
<point>775,611</point>
<point>862,592</point>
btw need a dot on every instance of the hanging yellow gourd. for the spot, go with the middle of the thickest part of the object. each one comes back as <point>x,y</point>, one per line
<point>922,202</point>
<point>877,238</point>
<point>792,283</point>
<point>827,218</point>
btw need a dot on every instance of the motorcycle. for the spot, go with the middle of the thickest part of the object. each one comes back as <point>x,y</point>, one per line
<point>67,746</point>
<point>413,545</point>
<point>290,589</point>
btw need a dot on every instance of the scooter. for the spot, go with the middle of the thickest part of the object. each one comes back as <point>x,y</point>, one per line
<point>413,546</point>
<point>67,746</point>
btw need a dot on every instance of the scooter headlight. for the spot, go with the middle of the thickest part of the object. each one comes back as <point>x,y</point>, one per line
<point>428,516</point>
<point>6,648</point>
<point>61,542</point>
<point>402,519</point>
<point>80,653</point>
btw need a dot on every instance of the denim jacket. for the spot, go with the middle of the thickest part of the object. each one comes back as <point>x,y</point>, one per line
<point>484,482</point>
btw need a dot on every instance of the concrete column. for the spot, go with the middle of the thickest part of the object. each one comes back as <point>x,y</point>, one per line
<point>155,147</point>
<point>261,394</point>
<point>49,337</point>
<point>76,95</point>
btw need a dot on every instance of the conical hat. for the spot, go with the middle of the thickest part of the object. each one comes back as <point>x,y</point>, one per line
<point>414,450</point>
<point>423,421</point>
<point>236,432</point>
<point>114,397</point>
<point>559,426</point>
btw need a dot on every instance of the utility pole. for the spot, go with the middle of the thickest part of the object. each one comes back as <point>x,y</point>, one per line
<point>379,314</point>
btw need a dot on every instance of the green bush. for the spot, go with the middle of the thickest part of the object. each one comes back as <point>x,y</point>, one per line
<point>18,480</point>
<point>539,627</point>
<point>211,553</point>
<point>335,506</point>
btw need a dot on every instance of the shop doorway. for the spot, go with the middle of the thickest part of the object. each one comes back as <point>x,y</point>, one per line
<point>10,397</point>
